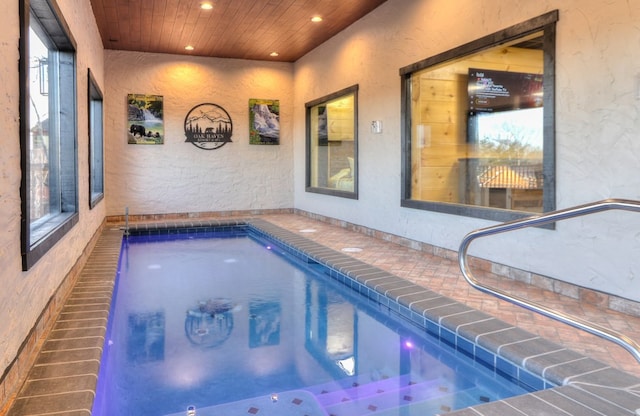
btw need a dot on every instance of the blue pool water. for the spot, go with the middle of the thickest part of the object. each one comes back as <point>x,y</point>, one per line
<point>214,324</point>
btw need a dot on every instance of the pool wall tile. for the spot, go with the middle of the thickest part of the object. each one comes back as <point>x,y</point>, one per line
<point>485,357</point>
<point>465,346</point>
<point>448,336</point>
<point>530,381</point>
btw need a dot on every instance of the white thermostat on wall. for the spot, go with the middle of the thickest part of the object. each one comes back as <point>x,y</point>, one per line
<point>376,126</point>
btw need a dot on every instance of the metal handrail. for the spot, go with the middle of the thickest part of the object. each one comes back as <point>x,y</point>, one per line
<point>581,210</point>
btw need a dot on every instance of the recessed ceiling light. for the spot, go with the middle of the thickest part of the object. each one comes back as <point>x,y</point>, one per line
<point>316,19</point>
<point>206,5</point>
<point>189,47</point>
<point>274,54</point>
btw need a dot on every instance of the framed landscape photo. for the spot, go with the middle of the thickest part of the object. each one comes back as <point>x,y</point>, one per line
<point>145,119</point>
<point>264,121</point>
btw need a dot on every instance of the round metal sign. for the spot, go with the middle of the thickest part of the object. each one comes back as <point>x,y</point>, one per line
<point>208,126</point>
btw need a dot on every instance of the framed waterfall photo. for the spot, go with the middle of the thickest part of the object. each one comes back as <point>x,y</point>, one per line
<point>264,121</point>
<point>145,123</point>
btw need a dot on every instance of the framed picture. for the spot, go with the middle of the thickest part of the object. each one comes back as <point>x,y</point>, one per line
<point>145,123</point>
<point>145,337</point>
<point>264,121</point>
<point>264,324</point>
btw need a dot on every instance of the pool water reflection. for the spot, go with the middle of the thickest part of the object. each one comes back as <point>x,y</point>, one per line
<point>227,324</point>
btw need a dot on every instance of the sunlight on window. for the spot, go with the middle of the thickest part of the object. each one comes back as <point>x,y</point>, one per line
<point>39,118</point>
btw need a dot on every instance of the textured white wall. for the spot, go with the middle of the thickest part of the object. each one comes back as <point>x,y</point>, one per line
<point>25,294</point>
<point>597,146</point>
<point>178,177</point>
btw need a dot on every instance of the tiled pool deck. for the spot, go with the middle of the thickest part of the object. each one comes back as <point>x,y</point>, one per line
<point>595,377</point>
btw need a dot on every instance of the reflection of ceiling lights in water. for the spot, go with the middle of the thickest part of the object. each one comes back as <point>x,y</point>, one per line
<point>352,249</point>
<point>308,230</point>
<point>348,365</point>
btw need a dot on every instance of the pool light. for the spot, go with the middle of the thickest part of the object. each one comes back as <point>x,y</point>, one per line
<point>352,249</point>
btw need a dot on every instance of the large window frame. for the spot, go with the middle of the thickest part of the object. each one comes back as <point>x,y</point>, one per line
<point>96,141</point>
<point>49,188</point>
<point>544,24</point>
<point>332,145</point>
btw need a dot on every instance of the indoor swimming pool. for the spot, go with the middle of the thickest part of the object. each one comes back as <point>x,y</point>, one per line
<point>226,323</point>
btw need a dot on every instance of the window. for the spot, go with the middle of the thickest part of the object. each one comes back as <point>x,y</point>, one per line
<point>47,128</point>
<point>96,151</point>
<point>478,137</point>
<point>332,144</point>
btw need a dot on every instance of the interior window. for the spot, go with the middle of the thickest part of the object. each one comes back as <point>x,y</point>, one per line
<point>479,135</point>
<point>48,129</point>
<point>331,123</point>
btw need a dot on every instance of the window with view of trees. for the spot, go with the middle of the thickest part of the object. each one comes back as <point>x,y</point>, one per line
<point>48,128</point>
<point>478,125</point>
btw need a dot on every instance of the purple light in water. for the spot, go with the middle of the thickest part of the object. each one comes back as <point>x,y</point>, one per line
<point>408,344</point>
<point>268,247</point>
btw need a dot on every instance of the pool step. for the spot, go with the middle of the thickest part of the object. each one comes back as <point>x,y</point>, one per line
<point>433,406</point>
<point>388,395</point>
<point>331,395</point>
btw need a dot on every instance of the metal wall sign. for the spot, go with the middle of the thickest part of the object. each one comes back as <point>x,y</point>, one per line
<point>208,126</point>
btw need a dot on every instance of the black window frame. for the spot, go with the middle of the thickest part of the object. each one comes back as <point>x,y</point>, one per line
<point>309,137</point>
<point>95,99</point>
<point>47,20</point>
<point>545,23</point>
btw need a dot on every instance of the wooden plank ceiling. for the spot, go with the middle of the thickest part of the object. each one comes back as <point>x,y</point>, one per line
<point>244,29</point>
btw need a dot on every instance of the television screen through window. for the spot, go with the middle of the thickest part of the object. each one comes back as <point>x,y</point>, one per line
<point>493,91</point>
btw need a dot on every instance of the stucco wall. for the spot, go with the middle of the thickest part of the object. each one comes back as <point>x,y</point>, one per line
<point>25,294</point>
<point>597,149</point>
<point>178,177</point>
